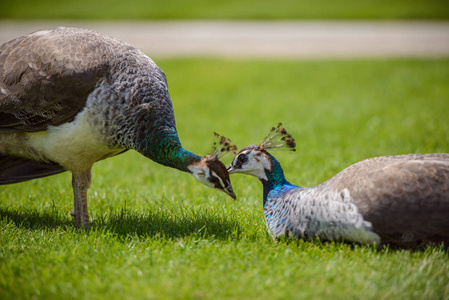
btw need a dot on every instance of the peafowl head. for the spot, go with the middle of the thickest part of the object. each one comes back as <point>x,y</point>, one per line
<point>255,159</point>
<point>211,171</point>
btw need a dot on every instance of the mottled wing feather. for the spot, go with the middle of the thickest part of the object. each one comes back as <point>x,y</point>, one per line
<point>45,77</point>
<point>401,195</point>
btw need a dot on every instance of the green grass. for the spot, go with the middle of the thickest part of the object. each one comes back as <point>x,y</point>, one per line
<point>231,9</point>
<point>157,233</point>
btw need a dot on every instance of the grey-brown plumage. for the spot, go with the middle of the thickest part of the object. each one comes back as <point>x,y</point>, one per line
<point>46,78</point>
<point>70,97</point>
<point>399,200</point>
<point>405,197</point>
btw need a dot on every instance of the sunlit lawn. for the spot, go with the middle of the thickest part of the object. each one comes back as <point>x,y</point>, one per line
<point>157,233</point>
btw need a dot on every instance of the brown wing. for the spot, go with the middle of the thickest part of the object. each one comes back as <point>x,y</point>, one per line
<point>15,169</point>
<point>46,76</point>
<point>406,197</point>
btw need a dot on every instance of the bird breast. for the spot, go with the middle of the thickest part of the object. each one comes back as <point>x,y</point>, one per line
<point>306,213</point>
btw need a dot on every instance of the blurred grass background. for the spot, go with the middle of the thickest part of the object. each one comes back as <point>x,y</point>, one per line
<point>231,9</point>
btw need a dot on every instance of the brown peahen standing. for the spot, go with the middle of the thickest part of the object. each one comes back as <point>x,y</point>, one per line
<point>70,97</point>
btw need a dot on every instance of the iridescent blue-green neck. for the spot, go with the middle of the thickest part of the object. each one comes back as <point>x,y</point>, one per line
<point>165,149</point>
<point>275,179</point>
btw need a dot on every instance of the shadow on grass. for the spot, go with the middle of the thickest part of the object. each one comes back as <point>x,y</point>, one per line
<point>167,225</point>
<point>336,246</point>
<point>162,224</point>
<point>28,219</point>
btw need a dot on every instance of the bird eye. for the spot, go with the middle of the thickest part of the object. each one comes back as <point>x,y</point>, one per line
<point>242,158</point>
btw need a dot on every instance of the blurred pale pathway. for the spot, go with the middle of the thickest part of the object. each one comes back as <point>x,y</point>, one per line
<point>309,39</point>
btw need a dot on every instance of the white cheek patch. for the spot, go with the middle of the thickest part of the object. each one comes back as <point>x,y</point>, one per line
<point>195,169</point>
<point>257,166</point>
<point>262,166</point>
<point>260,173</point>
<point>200,173</point>
<point>266,163</point>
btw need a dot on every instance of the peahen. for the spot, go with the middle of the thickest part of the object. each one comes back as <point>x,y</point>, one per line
<point>399,200</point>
<point>70,97</point>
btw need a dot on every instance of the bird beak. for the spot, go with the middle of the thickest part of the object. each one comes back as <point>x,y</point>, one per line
<point>230,169</point>
<point>228,190</point>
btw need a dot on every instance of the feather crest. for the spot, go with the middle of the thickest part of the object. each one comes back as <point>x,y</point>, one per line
<point>221,146</point>
<point>278,138</point>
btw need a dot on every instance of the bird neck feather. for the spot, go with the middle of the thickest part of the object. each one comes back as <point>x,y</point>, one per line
<point>275,178</point>
<point>166,150</point>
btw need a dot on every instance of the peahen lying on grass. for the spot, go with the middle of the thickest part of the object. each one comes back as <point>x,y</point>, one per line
<point>399,200</point>
<point>70,97</point>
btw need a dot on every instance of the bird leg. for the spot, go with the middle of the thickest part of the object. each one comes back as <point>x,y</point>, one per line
<point>80,184</point>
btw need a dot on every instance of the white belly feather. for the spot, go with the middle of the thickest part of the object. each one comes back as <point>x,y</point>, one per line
<point>76,145</point>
